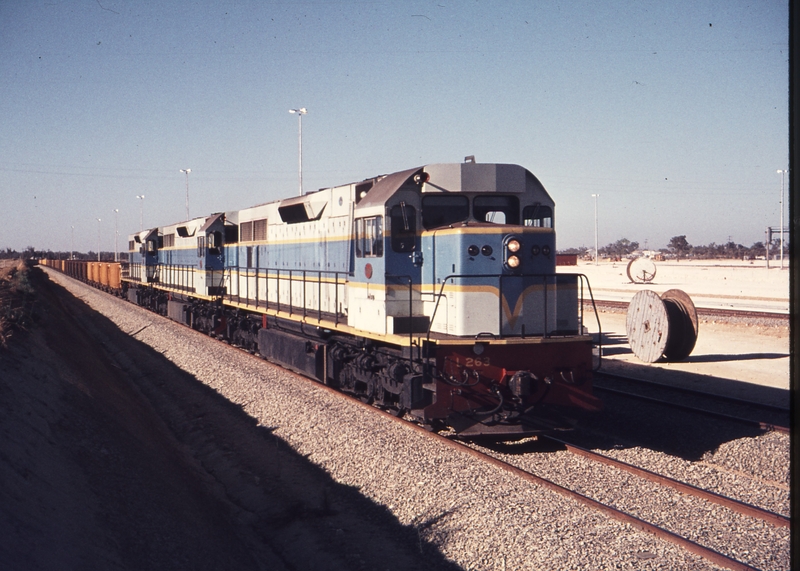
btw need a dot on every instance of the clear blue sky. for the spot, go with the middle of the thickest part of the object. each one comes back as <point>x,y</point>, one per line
<point>675,113</point>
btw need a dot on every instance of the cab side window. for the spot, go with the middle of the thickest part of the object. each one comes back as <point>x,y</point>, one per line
<point>403,227</point>
<point>538,216</point>
<point>442,210</point>
<point>369,237</point>
<point>214,243</point>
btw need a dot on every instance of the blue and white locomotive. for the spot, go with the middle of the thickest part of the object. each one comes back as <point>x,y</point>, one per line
<point>431,292</point>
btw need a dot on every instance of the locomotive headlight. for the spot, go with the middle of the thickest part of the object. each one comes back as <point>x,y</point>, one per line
<point>513,246</point>
<point>513,262</point>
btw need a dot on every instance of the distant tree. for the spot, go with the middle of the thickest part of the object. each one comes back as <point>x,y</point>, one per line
<point>620,248</point>
<point>679,246</point>
<point>757,249</point>
<point>579,251</point>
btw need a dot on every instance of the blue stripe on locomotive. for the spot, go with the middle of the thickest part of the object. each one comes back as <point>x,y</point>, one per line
<point>311,256</point>
<point>188,257</point>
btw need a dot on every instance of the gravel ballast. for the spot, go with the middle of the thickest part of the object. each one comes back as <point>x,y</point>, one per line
<point>476,515</point>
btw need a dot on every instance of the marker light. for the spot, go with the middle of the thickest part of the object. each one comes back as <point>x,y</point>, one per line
<point>473,250</point>
<point>546,250</point>
<point>513,246</point>
<point>513,262</point>
<point>486,250</point>
<point>535,250</point>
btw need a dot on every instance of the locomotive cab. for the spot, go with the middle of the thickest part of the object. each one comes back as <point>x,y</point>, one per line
<point>464,254</point>
<point>191,256</point>
<point>143,256</point>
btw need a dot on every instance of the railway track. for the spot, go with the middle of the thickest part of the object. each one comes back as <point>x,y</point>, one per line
<point>707,313</point>
<point>766,416</point>
<point>660,531</point>
<point>641,524</point>
<point>730,503</point>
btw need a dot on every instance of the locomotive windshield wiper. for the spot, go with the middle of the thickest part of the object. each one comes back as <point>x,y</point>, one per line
<point>405,216</point>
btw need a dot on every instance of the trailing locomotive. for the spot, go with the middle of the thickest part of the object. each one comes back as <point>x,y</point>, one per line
<point>431,292</point>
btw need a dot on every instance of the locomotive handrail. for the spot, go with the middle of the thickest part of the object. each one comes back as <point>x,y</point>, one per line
<point>266,275</point>
<point>181,276</point>
<point>500,277</point>
<point>596,316</point>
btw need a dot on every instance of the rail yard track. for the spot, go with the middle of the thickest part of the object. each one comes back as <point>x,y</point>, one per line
<point>760,415</point>
<point>507,463</point>
<point>707,313</point>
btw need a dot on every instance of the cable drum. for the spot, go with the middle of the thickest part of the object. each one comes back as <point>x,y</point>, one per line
<point>661,328</point>
<point>683,325</point>
<point>641,270</point>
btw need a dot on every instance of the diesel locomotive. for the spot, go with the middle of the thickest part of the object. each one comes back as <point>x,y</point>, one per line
<point>430,292</point>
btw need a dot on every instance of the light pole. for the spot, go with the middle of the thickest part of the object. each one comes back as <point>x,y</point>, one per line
<point>596,251</point>
<point>72,245</point>
<point>141,212</point>
<point>186,172</point>
<point>300,112</point>
<point>116,236</point>
<point>98,239</point>
<point>782,173</point>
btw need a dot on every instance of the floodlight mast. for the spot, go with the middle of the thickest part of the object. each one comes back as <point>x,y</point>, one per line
<point>783,174</point>
<point>300,112</point>
<point>141,212</point>
<point>98,239</point>
<point>596,251</point>
<point>116,236</point>
<point>186,172</point>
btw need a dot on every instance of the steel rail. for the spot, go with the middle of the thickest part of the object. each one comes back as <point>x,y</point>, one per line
<point>686,390</point>
<point>756,423</point>
<point>709,311</point>
<point>705,552</point>
<point>736,505</point>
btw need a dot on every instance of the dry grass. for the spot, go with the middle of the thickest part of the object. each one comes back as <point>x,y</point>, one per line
<point>15,297</point>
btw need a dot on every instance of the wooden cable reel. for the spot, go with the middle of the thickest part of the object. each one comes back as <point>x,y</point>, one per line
<point>661,328</point>
<point>641,270</point>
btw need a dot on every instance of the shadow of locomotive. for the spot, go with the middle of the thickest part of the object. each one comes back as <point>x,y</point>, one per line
<point>281,501</point>
<point>740,357</point>
<point>627,422</point>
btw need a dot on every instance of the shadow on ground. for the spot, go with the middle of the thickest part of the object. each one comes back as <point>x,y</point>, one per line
<point>626,422</point>
<point>120,459</point>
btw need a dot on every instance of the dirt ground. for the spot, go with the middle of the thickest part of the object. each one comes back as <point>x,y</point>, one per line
<point>112,458</point>
<point>741,355</point>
